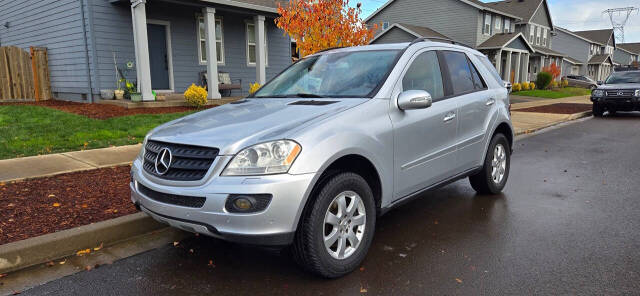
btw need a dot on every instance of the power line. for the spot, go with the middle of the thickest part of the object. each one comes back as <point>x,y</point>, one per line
<point>618,26</point>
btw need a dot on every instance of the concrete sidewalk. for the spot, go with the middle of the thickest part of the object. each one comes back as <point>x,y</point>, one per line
<point>52,164</point>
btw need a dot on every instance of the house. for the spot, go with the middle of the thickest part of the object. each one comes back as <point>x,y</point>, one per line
<point>589,53</point>
<point>501,30</point>
<point>168,42</point>
<point>626,54</point>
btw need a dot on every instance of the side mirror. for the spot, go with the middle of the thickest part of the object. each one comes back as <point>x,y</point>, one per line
<point>600,82</point>
<point>507,85</point>
<point>414,99</point>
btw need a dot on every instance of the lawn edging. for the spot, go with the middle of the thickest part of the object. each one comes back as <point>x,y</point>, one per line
<point>48,247</point>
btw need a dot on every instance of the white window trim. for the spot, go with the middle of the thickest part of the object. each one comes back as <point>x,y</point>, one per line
<point>266,44</point>
<point>487,18</point>
<point>544,37</point>
<point>532,33</point>
<point>200,17</point>
<point>538,36</point>
<point>498,23</point>
<point>507,25</point>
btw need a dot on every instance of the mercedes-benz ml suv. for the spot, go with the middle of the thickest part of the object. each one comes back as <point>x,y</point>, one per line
<point>620,92</point>
<point>317,154</point>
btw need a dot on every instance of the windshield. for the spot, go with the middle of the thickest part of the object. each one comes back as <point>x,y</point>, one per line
<point>342,74</point>
<point>623,77</point>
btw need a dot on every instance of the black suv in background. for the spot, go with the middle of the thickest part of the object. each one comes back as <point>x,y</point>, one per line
<point>620,92</point>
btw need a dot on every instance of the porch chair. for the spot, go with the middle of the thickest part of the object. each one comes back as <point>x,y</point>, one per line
<point>225,83</point>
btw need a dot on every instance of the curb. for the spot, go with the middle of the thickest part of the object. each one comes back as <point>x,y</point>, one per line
<point>48,247</point>
<point>571,117</point>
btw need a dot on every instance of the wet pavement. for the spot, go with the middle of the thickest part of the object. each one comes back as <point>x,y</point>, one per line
<point>567,224</point>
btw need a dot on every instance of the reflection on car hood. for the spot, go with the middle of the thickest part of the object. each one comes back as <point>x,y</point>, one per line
<point>620,86</point>
<point>232,126</point>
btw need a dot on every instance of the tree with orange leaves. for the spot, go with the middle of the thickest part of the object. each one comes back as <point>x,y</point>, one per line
<point>553,69</point>
<point>322,24</point>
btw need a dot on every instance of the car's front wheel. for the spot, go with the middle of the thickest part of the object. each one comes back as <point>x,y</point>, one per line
<point>337,228</point>
<point>494,173</point>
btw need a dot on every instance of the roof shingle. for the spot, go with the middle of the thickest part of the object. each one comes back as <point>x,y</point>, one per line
<point>524,9</point>
<point>597,36</point>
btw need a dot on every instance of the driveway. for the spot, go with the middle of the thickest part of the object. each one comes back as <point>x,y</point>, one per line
<point>567,224</point>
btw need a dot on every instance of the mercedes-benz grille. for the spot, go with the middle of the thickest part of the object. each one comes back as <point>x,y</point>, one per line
<point>187,163</point>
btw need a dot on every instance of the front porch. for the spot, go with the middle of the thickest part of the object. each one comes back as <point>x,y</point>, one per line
<point>509,53</point>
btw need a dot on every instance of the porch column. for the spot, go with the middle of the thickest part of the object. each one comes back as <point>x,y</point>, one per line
<point>261,58</point>
<point>541,64</point>
<point>499,62</point>
<point>507,67</point>
<point>516,77</point>
<point>133,22</point>
<point>141,42</point>
<point>209,14</point>
<point>525,70</point>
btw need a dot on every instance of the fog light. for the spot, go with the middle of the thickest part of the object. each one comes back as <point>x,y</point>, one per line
<point>242,204</point>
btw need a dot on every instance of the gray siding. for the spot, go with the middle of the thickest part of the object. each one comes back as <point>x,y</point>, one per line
<point>621,57</point>
<point>395,35</point>
<point>450,18</point>
<point>114,35</point>
<point>541,17</point>
<point>572,46</point>
<point>56,25</point>
<point>518,44</point>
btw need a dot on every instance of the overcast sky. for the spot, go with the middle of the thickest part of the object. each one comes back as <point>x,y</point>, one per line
<point>575,15</point>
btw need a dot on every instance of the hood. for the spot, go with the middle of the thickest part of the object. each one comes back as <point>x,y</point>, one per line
<point>620,86</point>
<point>234,126</point>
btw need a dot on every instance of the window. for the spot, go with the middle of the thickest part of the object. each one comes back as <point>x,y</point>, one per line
<point>459,72</point>
<point>251,44</point>
<point>492,69</point>
<point>478,83</point>
<point>498,23</point>
<point>544,37</point>
<point>424,74</point>
<point>538,33</point>
<point>487,24</point>
<point>532,33</point>
<point>507,25</point>
<point>202,46</point>
<point>385,25</point>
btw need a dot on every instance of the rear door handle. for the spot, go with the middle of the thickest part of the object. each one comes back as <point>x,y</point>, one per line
<point>450,116</point>
<point>490,102</point>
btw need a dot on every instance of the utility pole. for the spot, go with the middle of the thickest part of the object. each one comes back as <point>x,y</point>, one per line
<point>618,24</point>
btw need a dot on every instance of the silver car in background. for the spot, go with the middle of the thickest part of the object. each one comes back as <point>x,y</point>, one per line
<point>330,144</point>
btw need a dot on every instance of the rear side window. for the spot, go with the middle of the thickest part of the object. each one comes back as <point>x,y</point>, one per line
<point>461,77</point>
<point>489,66</point>
<point>424,74</point>
<point>478,83</point>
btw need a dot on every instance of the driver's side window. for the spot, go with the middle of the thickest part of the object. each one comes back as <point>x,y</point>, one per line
<point>424,74</point>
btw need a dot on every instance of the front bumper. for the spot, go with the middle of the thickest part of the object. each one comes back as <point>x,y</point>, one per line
<point>275,225</point>
<point>618,103</point>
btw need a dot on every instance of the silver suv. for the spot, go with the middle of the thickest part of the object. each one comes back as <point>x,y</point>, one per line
<point>315,156</point>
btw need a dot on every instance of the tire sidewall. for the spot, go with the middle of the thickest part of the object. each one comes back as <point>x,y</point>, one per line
<point>497,139</point>
<point>338,184</point>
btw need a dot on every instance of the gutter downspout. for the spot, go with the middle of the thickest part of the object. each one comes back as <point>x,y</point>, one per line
<point>86,50</point>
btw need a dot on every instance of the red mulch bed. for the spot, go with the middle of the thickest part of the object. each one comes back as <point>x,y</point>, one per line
<point>560,108</point>
<point>39,206</point>
<point>102,111</point>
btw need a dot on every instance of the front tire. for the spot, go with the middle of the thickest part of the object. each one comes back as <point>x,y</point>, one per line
<point>598,110</point>
<point>337,229</point>
<point>494,173</point>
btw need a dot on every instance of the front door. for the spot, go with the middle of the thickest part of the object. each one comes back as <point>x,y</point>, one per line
<point>424,139</point>
<point>158,56</point>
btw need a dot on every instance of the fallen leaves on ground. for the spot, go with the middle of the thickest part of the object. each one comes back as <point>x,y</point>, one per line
<point>83,252</point>
<point>459,280</point>
<point>98,247</point>
<point>55,204</point>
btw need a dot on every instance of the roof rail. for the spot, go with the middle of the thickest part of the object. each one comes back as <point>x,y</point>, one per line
<point>438,39</point>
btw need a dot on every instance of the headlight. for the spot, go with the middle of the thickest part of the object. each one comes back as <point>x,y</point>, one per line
<point>264,159</point>
<point>636,93</point>
<point>597,93</point>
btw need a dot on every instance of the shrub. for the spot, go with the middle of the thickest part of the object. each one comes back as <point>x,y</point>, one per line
<point>543,80</point>
<point>552,69</point>
<point>565,83</point>
<point>554,84</point>
<point>525,86</point>
<point>532,86</point>
<point>254,87</point>
<point>516,87</point>
<point>196,96</point>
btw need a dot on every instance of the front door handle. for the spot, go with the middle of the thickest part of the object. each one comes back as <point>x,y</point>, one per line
<point>450,116</point>
<point>490,102</point>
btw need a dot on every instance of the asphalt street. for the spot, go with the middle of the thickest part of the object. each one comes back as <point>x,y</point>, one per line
<point>567,224</point>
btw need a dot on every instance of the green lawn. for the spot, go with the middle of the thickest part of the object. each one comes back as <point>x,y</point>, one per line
<point>555,93</point>
<point>32,130</point>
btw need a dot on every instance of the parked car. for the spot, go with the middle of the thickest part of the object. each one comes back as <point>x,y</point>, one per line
<point>319,152</point>
<point>581,81</point>
<point>620,92</point>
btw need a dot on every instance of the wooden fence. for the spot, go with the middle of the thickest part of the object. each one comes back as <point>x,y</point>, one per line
<point>24,75</point>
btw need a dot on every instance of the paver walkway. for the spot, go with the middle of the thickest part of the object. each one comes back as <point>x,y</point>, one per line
<point>52,164</point>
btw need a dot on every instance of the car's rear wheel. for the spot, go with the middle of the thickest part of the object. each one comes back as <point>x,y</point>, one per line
<point>336,230</point>
<point>598,110</point>
<point>494,173</point>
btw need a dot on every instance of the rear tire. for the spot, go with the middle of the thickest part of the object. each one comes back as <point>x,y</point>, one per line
<point>353,221</point>
<point>597,110</point>
<point>494,173</point>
